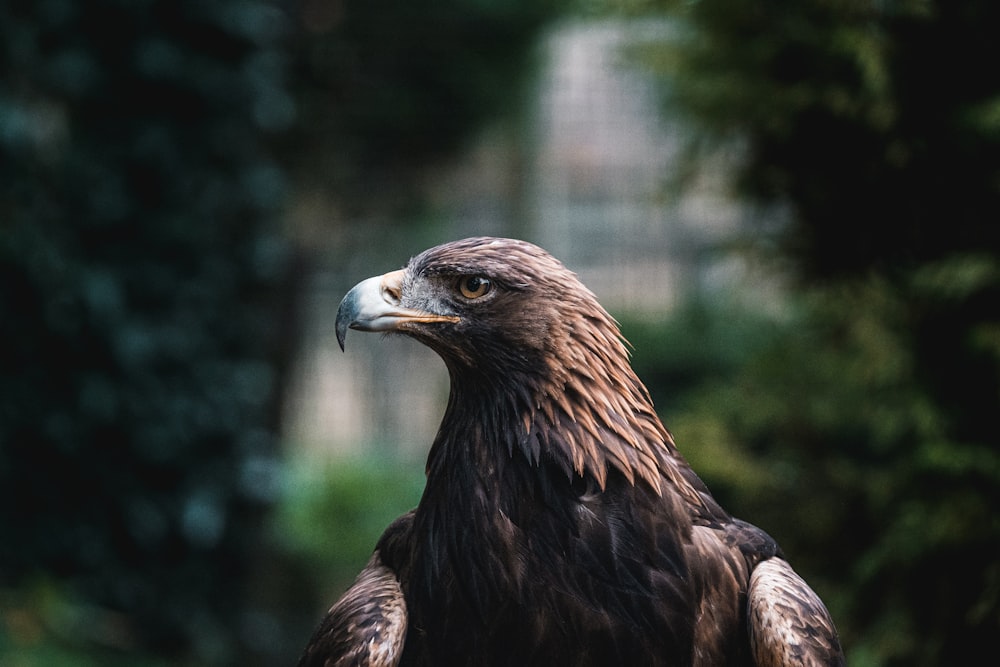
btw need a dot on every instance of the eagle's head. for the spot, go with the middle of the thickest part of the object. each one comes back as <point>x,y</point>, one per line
<point>528,347</point>
<point>490,307</point>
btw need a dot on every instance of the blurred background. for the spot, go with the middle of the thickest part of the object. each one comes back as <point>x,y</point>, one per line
<point>793,208</point>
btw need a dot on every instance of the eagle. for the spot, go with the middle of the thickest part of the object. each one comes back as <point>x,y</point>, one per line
<point>559,524</point>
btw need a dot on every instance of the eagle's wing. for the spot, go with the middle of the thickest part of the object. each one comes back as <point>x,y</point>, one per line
<point>789,625</point>
<point>367,625</point>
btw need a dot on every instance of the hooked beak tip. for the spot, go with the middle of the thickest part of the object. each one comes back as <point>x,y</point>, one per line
<point>347,315</point>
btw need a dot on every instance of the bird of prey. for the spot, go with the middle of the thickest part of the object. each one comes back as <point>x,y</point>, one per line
<point>559,524</point>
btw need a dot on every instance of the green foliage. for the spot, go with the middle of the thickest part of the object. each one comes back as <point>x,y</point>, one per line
<point>138,265</point>
<point>876,122</point>
<point>333,515</point>
<point>701,340</point>
<point>387,85</point>
<point>41,626</point>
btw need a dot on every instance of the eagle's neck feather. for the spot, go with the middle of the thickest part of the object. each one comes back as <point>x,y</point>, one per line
<point>581,408</point>
<point>572,431</point>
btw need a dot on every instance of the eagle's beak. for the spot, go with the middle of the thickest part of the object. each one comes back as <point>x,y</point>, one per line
<point>374,305</point>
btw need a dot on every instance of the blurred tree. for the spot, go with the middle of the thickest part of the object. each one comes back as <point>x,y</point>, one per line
<point>388,86</point>
<point>877,125</point>
<point>853,113</point>
<point>139,359</point>
<point>334,514</point>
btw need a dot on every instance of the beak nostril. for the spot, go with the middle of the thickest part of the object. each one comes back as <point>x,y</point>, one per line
<point>392,293</point>
<point>392,287</point>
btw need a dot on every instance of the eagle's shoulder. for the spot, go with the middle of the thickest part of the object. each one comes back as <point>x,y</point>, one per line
<point>788,623</point>
<point>368,624</point>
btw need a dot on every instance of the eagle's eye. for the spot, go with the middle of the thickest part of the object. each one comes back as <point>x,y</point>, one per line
<point>474,287</point>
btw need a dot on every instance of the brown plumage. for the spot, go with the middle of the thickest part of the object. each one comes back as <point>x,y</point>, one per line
<point>559,524</point>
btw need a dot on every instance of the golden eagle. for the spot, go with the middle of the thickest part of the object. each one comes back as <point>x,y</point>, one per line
<point>559,524</point>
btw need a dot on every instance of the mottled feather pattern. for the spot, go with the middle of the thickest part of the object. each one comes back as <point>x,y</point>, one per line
<point>789,623</point>
<point>559,524</point>
<point>366,627</point>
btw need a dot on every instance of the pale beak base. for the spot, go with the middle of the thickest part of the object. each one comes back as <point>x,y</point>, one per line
<point>374,305</point>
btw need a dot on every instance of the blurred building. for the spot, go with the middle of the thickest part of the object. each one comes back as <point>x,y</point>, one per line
<point>586,177</point>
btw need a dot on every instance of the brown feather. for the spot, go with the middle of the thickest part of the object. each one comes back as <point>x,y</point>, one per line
<point>367,625</point>
<point>789,625</point>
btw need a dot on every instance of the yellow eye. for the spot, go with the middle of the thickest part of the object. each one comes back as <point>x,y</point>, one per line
<point>474,287</point>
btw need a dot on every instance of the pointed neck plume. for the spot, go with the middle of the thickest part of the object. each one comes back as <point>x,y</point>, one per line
<point>568,396</point>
